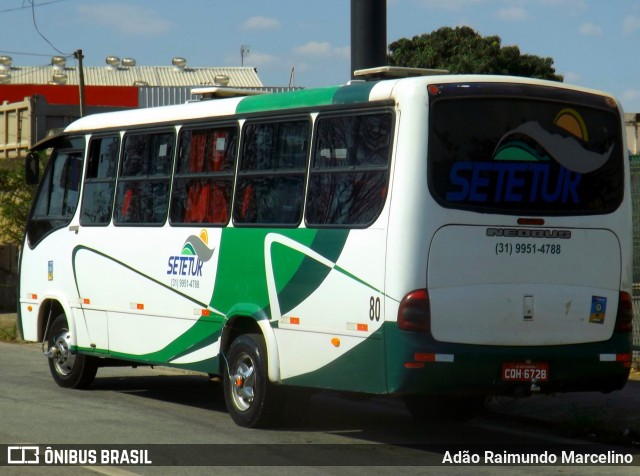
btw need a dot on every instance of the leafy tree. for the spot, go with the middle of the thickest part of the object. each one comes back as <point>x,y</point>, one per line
<point>463,50</point>
<point>15,201</point>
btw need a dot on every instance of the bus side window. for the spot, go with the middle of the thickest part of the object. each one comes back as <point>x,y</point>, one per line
<point>272,173</point>
<point>59,193</point>
<point>99,181</point>
<point>350,171</point>
<point>142,195</point>
<point>65,185</point>
<point>204,176</point>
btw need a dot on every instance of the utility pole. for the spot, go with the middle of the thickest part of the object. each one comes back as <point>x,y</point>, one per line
<point>77,54</point>
<point>368,34</point>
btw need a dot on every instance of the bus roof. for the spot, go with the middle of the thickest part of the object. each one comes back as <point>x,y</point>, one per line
<point>352,93</point>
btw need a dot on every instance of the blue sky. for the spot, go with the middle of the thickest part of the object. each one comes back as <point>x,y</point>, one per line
<point>594,43</point>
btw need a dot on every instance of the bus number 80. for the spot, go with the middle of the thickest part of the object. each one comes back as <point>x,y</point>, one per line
<point>374,308</point>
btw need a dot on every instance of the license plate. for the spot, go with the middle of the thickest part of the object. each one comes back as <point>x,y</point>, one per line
<point>521,372</point>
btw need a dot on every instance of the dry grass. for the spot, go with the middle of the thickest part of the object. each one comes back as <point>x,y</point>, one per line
<point>8,328</point>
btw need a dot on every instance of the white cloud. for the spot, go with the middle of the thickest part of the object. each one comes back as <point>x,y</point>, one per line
<point>260,23</point>
<point>450,4</point>
<point>302,67</point>
<point>573,7</point>
<point>630,100</point>
<point>513,14</point>
<point>630,95</point>
<point>589,29</point>
<point>314,48</point>
<point>127,19</point>
<point>342,52</point>
<point>255,58</point>
<point>631,24</point>
<point>571,77</point>
<point>322,49</point>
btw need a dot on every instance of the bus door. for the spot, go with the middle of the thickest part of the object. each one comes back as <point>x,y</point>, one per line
<point>95,215</point>
<point>52,235</point>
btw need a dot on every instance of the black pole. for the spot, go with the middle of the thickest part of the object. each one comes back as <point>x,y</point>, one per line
<point>78,55</point>
<point>368,34</point>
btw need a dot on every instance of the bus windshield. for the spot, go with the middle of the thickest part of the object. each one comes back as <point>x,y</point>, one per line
<point>496,149</point>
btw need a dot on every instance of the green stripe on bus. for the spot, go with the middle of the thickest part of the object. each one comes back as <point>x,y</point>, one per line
<point>354,93</point>
<point>242,272</point>
<point>310,274</point>
<point>206,331</point>
<point>288,100</point>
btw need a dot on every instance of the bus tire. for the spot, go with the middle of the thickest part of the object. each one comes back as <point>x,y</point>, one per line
<point>69,369</point>
<point>251,400</point>
<point>433,409</point>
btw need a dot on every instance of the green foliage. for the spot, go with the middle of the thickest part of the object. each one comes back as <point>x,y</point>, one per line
<point>462,50</point>
<point>15,201</point>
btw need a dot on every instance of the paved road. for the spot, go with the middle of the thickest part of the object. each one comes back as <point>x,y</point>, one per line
<point>155,406</point>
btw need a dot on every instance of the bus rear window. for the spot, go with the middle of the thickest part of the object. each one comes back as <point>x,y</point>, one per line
<point>525,151</point>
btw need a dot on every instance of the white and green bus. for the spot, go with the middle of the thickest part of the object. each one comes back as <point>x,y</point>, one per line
<point>439,238</point>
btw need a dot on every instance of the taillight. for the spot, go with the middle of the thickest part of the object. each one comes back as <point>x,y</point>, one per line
<point>414,314</point>
<point>624,317</point>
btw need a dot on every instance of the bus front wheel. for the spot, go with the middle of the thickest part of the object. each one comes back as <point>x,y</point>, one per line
<point>250,398</point>
<point>68,368</point>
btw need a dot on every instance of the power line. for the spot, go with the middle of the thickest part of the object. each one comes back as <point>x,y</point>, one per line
<point>31,72</point>
<point>25,53</point>
<point>35,25</point>
<point>24,7</point>
<point>30,4</point>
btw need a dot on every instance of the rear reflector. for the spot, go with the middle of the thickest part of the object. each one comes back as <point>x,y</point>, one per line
<point>414,314</point>
<point>615,357</point>
<point>426,357</point>
<point>414,365</point>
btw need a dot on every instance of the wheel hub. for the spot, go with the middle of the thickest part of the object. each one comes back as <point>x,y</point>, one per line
<point>60,352</point>
<point>243,382</point>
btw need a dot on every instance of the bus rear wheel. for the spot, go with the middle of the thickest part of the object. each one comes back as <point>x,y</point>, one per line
<point>68,368</point>
<point>250,398</point>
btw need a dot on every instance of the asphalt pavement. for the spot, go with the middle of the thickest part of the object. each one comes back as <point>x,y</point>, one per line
<point>602,417</point>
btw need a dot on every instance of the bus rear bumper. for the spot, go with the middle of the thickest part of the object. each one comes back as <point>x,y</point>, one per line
<point>456,369</point>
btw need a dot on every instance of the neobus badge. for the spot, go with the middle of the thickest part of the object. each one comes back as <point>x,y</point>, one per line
<point>528,233</point>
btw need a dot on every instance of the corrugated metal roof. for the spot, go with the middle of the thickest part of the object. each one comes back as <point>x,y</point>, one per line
<point>240,77</point>
<point>151,96</point>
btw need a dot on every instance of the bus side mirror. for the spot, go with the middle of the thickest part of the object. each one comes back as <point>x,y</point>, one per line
<point>32,168</point>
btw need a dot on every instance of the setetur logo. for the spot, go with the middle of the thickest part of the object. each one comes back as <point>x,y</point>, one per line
<point>195,252</point>
<point>534,163</point>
